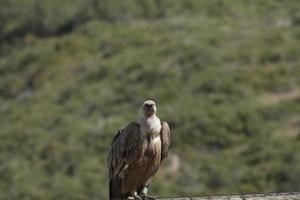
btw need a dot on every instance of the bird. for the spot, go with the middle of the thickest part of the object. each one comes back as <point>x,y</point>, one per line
<point>136,153</point>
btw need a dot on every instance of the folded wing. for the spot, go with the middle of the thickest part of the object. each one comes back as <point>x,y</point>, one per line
<point>125,148</point>
<point>165,139</point>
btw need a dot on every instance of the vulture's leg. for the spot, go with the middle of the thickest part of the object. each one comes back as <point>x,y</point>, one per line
<point>143,190</point>
<point>144,194</point>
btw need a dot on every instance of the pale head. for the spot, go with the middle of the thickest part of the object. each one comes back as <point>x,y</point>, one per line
<point>149,108</point>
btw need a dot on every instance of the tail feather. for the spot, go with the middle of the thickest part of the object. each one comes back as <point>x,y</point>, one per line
<point>115,189</point>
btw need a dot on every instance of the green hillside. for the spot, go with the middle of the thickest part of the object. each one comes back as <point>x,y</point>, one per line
<point>224,74</point>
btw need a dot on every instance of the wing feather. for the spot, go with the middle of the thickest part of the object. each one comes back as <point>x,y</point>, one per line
<point>165,136</point>
<point>125,148</point>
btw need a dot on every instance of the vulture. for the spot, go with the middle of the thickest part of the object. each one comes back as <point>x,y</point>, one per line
<point>136,153</point>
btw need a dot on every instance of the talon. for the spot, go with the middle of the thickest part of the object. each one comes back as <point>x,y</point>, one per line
<point>137,197</point>
<point>148,197</point>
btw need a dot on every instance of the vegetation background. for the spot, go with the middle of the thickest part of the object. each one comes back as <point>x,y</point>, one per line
<point>225,75</point>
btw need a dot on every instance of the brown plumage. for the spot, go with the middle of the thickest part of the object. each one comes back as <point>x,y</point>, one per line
<point>136,153</point>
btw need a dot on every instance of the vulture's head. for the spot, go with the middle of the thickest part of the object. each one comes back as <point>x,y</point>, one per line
<point>149,108</point>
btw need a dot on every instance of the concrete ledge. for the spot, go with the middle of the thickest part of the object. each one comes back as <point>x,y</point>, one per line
<point>266,196</point>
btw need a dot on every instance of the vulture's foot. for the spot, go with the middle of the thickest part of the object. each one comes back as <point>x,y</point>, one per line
<point>136,196</point>
<point>148,197</point>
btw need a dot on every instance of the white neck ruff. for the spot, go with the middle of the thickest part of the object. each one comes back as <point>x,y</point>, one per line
<point>150,125</point>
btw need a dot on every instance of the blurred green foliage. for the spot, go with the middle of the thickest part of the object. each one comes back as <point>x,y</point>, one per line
<point>225,75</point>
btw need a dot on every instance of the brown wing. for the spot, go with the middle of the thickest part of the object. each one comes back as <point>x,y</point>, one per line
<point>165,139</point>
<point>125,148</point>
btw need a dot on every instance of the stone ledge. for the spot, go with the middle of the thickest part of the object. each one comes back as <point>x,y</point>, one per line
<point>262,196</point>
